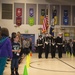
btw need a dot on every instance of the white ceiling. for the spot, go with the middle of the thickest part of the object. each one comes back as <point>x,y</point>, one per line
<point>61,1</point>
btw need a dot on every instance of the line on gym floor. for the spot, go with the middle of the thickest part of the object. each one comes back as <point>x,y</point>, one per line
<point>51,70</point>
<point>65,63</point>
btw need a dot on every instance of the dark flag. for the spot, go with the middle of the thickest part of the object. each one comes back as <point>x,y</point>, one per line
<point>52,30</point>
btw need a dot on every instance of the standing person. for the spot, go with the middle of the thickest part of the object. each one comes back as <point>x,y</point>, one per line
<point>40,46</point>
<point>26,46</point>
<point>46,46</point>
<point>59,41</point>
<point>53,47</point>
<point>30,44</point>
<point>16,53</point>
<point>5,48</point>
<point>74,47</point>
<point>71,47</point>
<point>12,36</point>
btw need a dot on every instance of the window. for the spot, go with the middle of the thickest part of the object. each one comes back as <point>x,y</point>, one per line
<point>6,11</point>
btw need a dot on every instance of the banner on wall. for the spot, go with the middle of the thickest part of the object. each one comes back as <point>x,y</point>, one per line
<point>31,21</point>
<point>54,13</point>
<point>65,17</point>
<point>42,12</point>
<point>55,20</point>
<point>41,19</point>
<point>31,17</point>
<point>18,21</point>
<point>65,13</point>
<point>31,12</point>
<point>18,16</point>
<point>65,20</point>
<point>18,11</point>
<point>42,16</point>
<point>54,16</point>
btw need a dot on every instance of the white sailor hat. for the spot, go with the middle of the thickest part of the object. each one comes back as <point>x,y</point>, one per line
<point>60,32</point>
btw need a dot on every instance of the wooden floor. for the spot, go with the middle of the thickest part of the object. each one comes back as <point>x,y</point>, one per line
<point>43,66</point>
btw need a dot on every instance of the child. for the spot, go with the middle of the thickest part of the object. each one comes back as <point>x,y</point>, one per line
<point>5,48</point>
<point>16,51</point>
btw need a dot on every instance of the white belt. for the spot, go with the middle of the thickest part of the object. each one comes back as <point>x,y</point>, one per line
<point>59,43</point>
<point>40,44</point>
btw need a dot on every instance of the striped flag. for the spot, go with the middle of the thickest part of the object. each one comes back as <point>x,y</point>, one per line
<point>45,24</point>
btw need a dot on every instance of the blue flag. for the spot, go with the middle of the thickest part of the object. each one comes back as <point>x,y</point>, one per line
<point>52,30</point>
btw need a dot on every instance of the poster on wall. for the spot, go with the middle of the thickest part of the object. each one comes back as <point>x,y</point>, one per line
<point>66,34</point>
<point>18,11</point>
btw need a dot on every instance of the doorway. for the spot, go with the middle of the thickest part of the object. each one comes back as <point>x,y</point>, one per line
<point>32,36</point>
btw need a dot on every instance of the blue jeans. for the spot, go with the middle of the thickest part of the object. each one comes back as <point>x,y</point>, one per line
<point>2,64</point>
<point>14,63</point>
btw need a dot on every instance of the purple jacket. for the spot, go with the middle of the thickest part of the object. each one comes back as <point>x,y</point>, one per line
<point>5,48</point>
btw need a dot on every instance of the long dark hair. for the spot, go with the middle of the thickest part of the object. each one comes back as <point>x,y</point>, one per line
<point>13,35</point>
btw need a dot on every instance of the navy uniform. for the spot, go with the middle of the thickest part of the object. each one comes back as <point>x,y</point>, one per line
<point>53,47</point>
<point>59,41</point>
<point>40,46</point>
<point>46,43</point>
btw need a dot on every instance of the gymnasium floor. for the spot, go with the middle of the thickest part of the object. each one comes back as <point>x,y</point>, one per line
<point>43,66</point>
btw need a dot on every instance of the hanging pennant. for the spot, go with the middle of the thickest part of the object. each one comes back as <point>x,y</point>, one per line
<point>42,16</point>
<point>65,17</point>
<point>65,13</point>
<point>18,11</point>
<point>54,13</point>
<point>55,20</point>
<point>31,12</point>
<point>18,21</point>
<point>65,20</point>
<point>41,19</point>
<point>18,16</point>
<point>54,16</point>
<point>31,21</point>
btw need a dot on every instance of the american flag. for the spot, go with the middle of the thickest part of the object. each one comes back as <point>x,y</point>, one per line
<point>45,24</point>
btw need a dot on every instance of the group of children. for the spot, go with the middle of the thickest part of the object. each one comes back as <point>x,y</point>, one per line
<point>13,49</point>
<point>20,46</point>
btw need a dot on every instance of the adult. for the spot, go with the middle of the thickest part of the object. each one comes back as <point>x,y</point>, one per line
<point>40,46</point>
<point>59,41</point>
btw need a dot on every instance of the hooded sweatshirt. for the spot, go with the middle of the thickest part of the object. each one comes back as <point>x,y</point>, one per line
<point>5,47</point>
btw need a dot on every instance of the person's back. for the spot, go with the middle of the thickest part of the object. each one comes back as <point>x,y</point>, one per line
<point>5,48</point>
<point>26,44</point>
